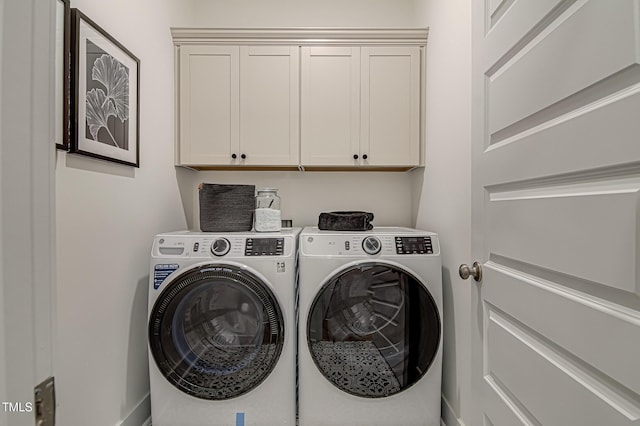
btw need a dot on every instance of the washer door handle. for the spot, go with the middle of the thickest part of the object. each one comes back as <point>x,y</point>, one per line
<point>475,271</point>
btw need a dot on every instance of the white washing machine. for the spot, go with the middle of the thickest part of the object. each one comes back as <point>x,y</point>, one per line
<point>222,328</point>
<point>370,330</point>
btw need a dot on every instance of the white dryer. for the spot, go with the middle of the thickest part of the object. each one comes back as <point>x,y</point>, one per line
<point>370,329</point>
<point>222,328</point>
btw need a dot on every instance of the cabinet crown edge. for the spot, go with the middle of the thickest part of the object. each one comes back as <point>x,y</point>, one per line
<point>301,36</point>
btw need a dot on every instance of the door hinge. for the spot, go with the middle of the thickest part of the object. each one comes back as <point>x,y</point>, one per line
<point>44,397</point>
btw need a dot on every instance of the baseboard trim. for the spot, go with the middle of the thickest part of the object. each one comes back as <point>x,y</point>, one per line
<point>448,415</point>
<point>140,415</point>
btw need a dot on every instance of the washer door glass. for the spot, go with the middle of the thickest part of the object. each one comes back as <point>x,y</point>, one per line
<point>216,332</point>
<point>373,330</point>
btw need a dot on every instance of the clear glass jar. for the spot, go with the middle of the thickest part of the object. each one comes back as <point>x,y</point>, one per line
<point>267,217</point>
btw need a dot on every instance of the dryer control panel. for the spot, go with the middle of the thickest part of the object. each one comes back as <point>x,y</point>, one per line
<point>414,245</point>
<point>370,244</point>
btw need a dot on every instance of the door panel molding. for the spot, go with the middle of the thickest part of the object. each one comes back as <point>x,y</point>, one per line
<point>587,396</point>
<point>590,233</point>
<point>608,90</point>
<point>609,118</point>
<point>505,408</point>
<point>562,310</point>
<point>572,63</point>
<point>520,22</point>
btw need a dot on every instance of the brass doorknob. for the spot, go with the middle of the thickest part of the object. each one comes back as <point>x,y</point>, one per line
<point>475,271</point>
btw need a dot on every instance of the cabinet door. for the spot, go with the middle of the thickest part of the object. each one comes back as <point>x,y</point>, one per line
<point>390,106</point>
<point>208,104</point>
<point>269,105</point>
<point>330,106</point>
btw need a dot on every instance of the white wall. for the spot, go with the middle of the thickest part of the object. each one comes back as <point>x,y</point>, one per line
<point>305,195</point>
<point>293,13</point>
<point>443,187</point>
<point>107,215</point>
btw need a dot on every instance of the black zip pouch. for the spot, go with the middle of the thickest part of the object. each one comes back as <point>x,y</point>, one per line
<point>345,221</point>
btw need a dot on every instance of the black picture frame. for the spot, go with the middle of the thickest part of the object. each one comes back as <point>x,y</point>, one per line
<point>62,74</point>
<point>106,95</point>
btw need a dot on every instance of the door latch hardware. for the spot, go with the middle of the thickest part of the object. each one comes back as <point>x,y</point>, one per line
<point>44,397</point>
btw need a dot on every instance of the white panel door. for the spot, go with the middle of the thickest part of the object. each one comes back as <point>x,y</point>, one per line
<point>27,218</point>
<point>209,105</point>
<point>330,106</point>
<point>556,212</point>
<point>269,111</point>
<point>390,107</point>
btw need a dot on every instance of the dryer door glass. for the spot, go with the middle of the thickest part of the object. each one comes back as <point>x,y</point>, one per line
<point>373,330</point>
<point>216,332</point>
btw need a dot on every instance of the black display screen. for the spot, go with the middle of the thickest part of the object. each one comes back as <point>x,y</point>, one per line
<point>264,247</point>
<point>414,245</point>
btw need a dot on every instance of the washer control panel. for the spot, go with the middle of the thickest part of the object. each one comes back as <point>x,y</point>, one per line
<point>229,245</point>
<point>264,247</point>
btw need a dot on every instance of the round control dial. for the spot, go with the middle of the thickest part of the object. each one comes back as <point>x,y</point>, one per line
<point>220,247</point>
<point>371,245</point>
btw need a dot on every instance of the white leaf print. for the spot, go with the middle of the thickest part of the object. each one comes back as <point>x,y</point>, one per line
<point>99,109</point>
<point>115,78</point>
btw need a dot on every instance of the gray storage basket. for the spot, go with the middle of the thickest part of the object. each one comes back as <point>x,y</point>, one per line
<point>226,208</point>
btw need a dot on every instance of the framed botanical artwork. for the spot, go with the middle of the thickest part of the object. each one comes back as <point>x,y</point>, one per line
<point>62,73</point>
<point>106,95</point>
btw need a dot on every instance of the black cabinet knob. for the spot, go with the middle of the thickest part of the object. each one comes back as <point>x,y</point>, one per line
<point>365,156</point>
<point>355,156</point>
<point>234,156</point>
<point>243,156</point>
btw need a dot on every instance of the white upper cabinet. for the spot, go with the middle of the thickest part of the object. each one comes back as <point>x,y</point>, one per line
<point>390,106</point>
<point>208,104</point>
<point>269,105</point>
<point>239,105</point>
<point>330,106</point>
<point>322,99</point>
<point>361,106</point>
